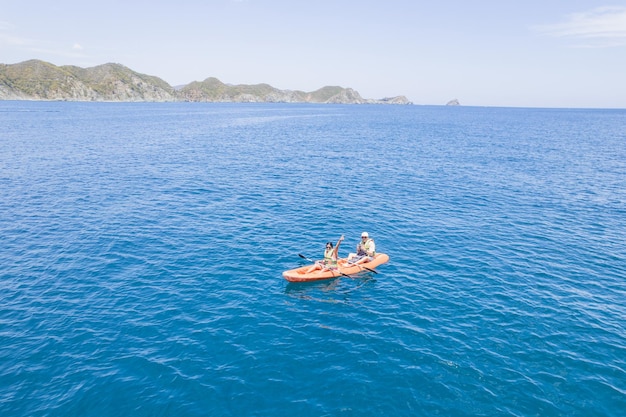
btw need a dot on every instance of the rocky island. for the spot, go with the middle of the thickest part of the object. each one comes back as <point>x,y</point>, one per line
<point>39,80</point>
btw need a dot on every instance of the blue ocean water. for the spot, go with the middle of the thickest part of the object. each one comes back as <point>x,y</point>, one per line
<point>142,247</point>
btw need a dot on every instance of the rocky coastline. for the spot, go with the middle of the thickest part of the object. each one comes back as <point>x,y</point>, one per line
<point>40,80</point>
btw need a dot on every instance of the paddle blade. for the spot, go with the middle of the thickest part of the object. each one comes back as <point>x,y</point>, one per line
<point>304,257</point>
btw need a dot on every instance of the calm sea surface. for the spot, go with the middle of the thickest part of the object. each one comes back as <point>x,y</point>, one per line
<point>142,246</point>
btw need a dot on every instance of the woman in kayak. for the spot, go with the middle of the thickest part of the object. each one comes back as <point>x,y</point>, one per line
<point>365,250</point>
<point>330,257</point>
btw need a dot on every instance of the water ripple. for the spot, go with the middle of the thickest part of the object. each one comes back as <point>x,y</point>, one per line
<point>143,247</point>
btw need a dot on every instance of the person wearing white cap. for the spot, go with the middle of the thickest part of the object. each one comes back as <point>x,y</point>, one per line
<point>365,250</point>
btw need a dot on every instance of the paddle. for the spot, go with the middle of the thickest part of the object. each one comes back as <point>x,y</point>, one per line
<point>361,266</point>
<point>311,260</point>
<point>304,257</point>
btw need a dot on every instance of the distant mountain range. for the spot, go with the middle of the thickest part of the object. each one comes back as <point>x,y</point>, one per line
<point>39,80</point>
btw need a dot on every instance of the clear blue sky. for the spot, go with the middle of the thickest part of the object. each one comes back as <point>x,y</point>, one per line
<point>548,53</point>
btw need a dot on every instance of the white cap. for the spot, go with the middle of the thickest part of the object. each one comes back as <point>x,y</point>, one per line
<point>364,234</point>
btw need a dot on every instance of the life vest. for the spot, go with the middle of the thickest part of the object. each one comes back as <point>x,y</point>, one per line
<point>365,247</point>
<point>328,257</point>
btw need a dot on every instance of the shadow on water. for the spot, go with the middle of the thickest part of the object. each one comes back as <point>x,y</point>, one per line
<point>336,290</point>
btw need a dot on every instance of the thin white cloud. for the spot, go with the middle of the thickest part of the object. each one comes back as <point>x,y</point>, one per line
<point>600,27</point>
<point>5,25</point>
<point>52,51</point>
<point>6,38</point>
<point>33,47</point>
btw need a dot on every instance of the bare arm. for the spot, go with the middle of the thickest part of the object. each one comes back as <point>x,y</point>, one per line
<point>336,251</point>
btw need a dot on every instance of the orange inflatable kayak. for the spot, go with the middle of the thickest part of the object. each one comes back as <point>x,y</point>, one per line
<point>344,268</point>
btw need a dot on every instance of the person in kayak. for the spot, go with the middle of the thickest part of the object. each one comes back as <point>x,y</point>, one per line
<point>330,257</point>
<point>365,250</point>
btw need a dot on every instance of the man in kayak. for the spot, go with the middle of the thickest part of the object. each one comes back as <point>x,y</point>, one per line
<point>330,257</point>
<point>365,250</point>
